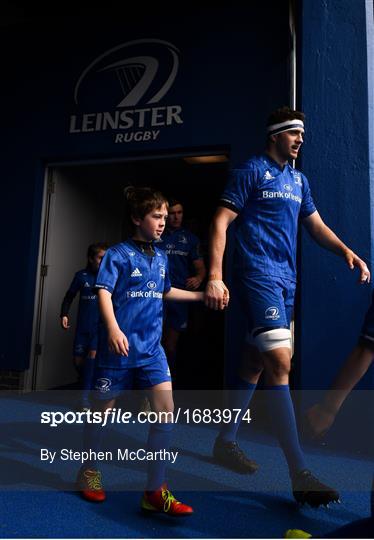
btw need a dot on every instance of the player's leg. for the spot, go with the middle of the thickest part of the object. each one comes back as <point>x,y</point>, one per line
<point>321,416</point>
<point>157,497</point>
<point>275,346</point>
<point>226,450</point>
<point>254,296</point>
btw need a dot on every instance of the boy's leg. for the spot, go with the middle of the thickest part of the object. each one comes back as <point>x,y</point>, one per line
<point>157,497</point>
<point>159,435</point>
<point>108,384</point>
<point>88,378</point>
<point>89,477</point>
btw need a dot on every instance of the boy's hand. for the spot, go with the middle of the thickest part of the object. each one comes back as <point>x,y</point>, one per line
<point>118,343</point>
<point>65,322</point>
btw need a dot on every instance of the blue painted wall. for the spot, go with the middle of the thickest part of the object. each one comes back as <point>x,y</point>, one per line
<point>336,93</point>
<point>233,69</point>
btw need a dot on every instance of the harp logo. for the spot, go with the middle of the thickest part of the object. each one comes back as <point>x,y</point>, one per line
<point>129,80</point>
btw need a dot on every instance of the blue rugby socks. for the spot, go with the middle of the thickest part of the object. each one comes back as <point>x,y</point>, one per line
<point>159,438</point>
<point>237,399</point>
<point>283,419</point>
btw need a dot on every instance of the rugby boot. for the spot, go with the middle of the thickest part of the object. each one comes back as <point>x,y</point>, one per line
<point>90,486</point>
<point>230,455</point>
<point>306,488</point>
<point>163,501</point>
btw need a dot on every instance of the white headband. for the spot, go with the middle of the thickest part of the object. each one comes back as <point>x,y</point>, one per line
<point>274,129</point>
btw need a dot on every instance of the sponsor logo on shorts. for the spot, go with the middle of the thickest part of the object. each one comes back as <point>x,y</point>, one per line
<point>151,284</point>
<point>272,313</point>
<point>103,384</point>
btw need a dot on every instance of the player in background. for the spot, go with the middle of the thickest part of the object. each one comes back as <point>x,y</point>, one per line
<point>266,197</point>
<point>85,338</point>
<point>186,270</point>
<point>132,283</point>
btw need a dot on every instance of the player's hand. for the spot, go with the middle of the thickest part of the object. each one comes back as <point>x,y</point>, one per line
<point>354,261</point>
<point>217,295</point>
<point>65,322</point>
<point>193,283</point>
<point>118,342</point>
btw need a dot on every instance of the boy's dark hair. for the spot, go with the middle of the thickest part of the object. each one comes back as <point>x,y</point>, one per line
<point>93,249</point>
<point>284,113</point>
<point>142,200</point>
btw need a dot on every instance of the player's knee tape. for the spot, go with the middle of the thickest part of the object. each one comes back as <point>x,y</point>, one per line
<point>273,338</point>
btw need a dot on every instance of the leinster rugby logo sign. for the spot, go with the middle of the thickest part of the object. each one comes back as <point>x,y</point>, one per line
<point>121,90</point>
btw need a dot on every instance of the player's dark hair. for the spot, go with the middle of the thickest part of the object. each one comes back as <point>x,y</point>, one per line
<point>93,249</point>
<point>284,113</point>
<point>173,201</point>
<point>140,201</point>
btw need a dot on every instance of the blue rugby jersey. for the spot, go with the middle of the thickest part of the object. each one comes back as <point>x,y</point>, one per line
<point>137,282</point>
<point>88,309</point>
<point>182,248</point>
<point>269,202</point>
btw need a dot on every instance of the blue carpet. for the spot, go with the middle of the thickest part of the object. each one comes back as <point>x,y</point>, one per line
<point>38,499</point>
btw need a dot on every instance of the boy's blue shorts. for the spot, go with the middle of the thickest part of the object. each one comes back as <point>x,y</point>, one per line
<point>109,383</point>
<point>267,301</point>
<point>176,315</point>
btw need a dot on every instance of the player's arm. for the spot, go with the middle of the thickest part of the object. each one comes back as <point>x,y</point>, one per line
<point>117,340</point>
<point>67,301</point>
<point>180,295</point>
<point>195,281</point>
<point>327,239</point>
<point>216,292</point>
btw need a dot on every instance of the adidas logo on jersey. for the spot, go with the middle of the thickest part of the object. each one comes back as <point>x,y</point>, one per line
<point>86,284</point>
<point>268,176</point>
<point>136,273</point>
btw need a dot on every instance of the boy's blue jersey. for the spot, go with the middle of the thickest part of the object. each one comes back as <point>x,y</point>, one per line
<point>269,202</point>
<point>182,248</point>
<point>88,310</point>
<point>137,282</point>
